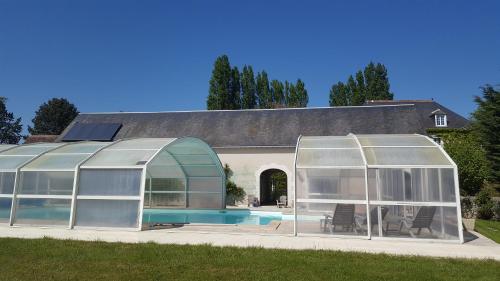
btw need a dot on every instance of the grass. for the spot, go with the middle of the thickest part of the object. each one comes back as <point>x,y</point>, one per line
<point>490,229</point>
<point>49,259</point>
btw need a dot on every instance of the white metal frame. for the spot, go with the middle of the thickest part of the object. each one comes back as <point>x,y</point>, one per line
<point>74,197</point>
<point>212,156</point>
<point>13,207</point>
<point>76,181</point>
<point>339,167</point>
<point>379,202</point>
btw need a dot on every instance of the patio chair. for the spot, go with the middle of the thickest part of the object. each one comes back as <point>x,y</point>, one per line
<point>363,220</point>
<point>423,219</point>
<point>281,202</point>
<point>253,201</point>
<point>342,216</point>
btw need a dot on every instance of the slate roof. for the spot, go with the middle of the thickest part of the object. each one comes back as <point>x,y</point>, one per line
<point>266,127</point>
<point>426,110</point>
<point>40,138</point>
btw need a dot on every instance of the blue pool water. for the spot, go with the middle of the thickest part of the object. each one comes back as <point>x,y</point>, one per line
<point>153,216</point>
<point>209,216</point>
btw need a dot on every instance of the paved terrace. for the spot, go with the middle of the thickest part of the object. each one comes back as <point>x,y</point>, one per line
<point>480,247</point>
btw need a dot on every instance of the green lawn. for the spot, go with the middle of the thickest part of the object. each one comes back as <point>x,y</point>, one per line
<point>490,229</point>
<point>48,259</point>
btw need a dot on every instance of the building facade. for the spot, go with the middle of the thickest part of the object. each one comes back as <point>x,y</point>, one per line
<point>255,142</point>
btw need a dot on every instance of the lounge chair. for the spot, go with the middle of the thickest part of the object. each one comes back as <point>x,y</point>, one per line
<point>281,202</point>
<point>342,216</point>
<point>363,220</point>
<point>423,219</point>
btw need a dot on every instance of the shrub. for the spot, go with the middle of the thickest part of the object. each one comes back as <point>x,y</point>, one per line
<point>234,193</point>
<point>473,167</point>
<point>467,208</point>
<point>484,205</point>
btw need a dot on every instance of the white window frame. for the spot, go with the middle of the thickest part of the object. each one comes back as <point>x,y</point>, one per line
<point>440,120</point>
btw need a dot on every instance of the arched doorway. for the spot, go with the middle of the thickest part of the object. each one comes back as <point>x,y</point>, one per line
<point>273,184</point>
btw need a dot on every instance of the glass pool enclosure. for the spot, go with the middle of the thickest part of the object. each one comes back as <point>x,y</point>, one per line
<point>366,186</point>
<point>376,186</point>
<point>106,184</point>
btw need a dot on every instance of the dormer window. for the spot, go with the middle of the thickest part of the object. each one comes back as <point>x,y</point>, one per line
<point>440,120</point>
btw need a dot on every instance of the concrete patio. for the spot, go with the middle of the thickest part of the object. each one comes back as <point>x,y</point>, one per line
<point>480,247</point>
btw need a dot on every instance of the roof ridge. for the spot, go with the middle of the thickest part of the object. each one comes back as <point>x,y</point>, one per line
<point>377,101</point>
<point>251,110</point>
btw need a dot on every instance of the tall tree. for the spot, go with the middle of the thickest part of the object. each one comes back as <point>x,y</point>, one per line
<point>219,96</point>
<point>370,84</point>
<point>339,95</point>
<point>286,93</point>
<point>10,127</point>
<point>52,117</point>
<point>486,124</point>
<point>302,98</point>
<point>357,89</point>
<point>263,90</point>
<point>235,93</point>
<point>248,88</point>
<point>277,93</point>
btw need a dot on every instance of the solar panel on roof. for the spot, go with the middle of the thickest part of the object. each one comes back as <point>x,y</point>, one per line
<point>92,132</point>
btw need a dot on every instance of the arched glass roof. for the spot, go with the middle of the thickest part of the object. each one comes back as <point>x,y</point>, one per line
<point>402,150</point>
<point>13,158</point>
<point>104,184</point>
<point>4,147</point>
<point>378,150</point>
<point>132,153</point>
<point>376,186</point>
<point>65,157</point>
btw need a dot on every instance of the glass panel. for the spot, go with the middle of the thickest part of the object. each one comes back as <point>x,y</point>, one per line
<point>120,158</point>
<point>57,162</point>
<point>29,150</point>
<point>110,182</point>
<point>7,180</point>
<point>431,222</point>
<point>331,184</point>
<point>46,183</point>
<point>328,142</point>
<point>331,219</point>
<point>13,162</point>
<point>43,211</point>
<point>87,147</point>
<point>150,143</point>
<point>412,185</point>
<point>205,184</point>
<point>205,201</point>
<point>405,156</point>
<point>194,159</point>
<point>188,146</point>
<point>159,184</point>
<point>329,157</point>
<point>165,200</point>
<point>393,140</point>
<point>6,146</point>
<point>5,205</point>
<point>202,171</point>
<point>164,158</point>
<point>165,172</point>
<point>107,213</point>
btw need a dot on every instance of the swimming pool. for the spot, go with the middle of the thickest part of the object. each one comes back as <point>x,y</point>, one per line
<point>60,215</point>
<point>247,217</point>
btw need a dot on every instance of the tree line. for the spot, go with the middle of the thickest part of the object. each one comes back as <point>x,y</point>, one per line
<point>51,118</point>
<point>231,89</point>
<point>372,83</point>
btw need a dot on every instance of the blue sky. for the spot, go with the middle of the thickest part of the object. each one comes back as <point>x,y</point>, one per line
<point>158,55</point>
